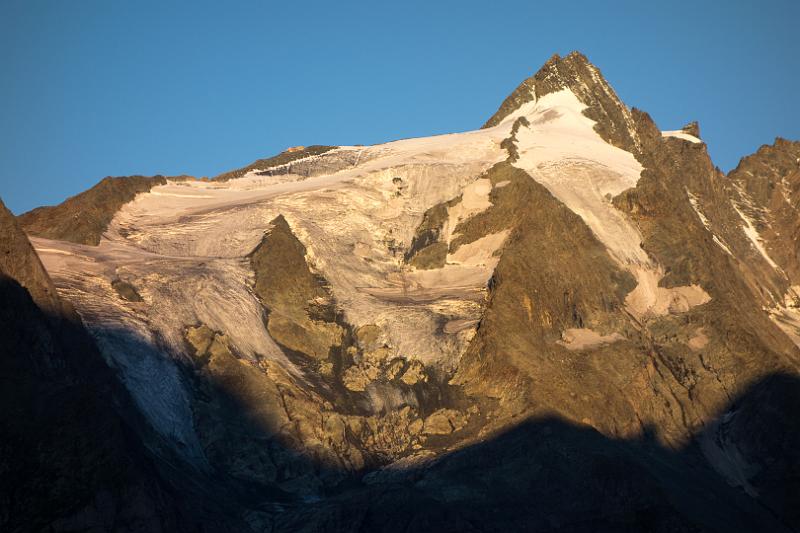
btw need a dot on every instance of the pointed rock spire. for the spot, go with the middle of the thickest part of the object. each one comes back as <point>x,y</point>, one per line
<point>692,128</point>
<point>576,73</point>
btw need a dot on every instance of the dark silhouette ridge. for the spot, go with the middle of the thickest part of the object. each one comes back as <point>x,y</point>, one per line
<point>544,474</point>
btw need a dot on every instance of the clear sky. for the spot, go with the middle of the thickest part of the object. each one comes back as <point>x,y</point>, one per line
<point>111,87</point>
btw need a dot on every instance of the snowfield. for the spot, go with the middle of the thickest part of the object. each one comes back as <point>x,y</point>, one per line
<point>184,246</point>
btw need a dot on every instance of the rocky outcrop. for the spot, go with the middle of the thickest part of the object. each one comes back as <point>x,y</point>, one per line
<point>767,190</point>
<point>301,311</point>
<point>427,250</point>
<point>284,159</point>
<point>85,217</point>
<point>260,424</point>
<point>126,291</point>
<point>19,261</point>
<point>760,436</point>
<point>553,275</point>
<point>692,128</point>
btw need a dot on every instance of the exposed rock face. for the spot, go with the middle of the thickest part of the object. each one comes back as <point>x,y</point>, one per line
<point>19,261</point>
<point>768,187</point>
<point>301,311</point>
<point>772,461</point>
<point>692,128</point>
<point>444,422</point>
<point>565,320</point>
<point>83,218</point>
<point>427,250</point>
<point>126,291</point>
<point>281,163</point>
<point>543,475</point>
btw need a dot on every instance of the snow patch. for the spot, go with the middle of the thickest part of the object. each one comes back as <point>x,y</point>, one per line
<point>52,251</point>
<point>480,253</point>
<point>755,239</point>
<point>474,200</point>
<point>696,206</point>
<point>680,134</point>
<point>699,340</point>
<point>585,338</point>
<point>787,315</point>
<point>649,300</point>
<point>579,168</point>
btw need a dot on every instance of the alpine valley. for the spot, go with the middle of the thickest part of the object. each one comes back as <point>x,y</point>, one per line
<point>565,320</point>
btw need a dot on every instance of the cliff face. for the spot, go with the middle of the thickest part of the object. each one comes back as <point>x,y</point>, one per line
<point>766,186</point>
<point>567,315</point>
<point>19,261</point>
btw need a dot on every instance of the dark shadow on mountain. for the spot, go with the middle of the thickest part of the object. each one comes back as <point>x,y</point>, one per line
<point>76,455</point>
<point>551,475</point>
<point>71,442</point>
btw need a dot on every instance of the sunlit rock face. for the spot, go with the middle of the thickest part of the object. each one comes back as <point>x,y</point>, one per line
<point>567,307</point>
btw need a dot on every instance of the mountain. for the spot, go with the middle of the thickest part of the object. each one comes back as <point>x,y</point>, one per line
<point>567,319</point>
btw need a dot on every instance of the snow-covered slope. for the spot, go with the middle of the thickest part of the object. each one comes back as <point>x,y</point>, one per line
<point>184,246</point>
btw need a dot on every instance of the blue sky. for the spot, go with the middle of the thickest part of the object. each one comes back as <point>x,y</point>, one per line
<point>111,87</point>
